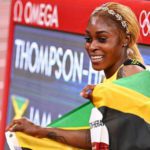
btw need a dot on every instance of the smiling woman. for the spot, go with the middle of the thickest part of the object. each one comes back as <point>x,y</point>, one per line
<point>105,47</point>
<point>111,37</point>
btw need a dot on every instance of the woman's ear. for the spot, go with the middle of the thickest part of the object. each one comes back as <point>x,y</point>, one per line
<point>126,40</point>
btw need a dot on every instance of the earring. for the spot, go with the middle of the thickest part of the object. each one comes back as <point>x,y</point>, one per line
<point>130,53</point>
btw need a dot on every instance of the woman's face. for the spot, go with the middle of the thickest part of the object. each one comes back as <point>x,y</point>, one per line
<point>104,46</point>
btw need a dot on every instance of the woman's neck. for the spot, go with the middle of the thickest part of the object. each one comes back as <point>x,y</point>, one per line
<point>112,69</point>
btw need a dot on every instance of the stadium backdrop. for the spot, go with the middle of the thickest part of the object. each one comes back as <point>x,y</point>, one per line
<point>47,65</point>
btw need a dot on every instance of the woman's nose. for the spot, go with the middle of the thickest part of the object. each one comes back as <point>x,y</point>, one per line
<point>93,45</point>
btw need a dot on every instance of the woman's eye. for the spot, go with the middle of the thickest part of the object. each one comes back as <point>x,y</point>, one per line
<point>102,40</point>
<point>88,39</point>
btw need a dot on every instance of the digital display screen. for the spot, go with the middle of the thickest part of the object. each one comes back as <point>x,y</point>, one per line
<point>49,69</point>
<point>145,53</point>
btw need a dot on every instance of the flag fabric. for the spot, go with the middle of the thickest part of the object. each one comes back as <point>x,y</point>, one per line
<point>74,120</point>
<point>122,117</point>
<point>125,108</point>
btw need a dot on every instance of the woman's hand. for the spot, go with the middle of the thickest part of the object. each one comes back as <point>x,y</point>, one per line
<point>87,91</point>
<point>26,126</point>
<point>75,138</point>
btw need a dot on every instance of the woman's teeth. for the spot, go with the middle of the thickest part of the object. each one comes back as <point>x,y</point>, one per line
<point>96,58</point>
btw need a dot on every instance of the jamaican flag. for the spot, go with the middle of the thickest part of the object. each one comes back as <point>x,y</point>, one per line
<point>120,118</point>
<point>124,121</point>
<point>74,120</point>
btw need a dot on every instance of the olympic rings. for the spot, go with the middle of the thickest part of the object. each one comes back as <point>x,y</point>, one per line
<point>144,20</point>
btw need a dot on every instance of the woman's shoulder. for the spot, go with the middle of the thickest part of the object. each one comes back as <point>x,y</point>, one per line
<point>129,68</point>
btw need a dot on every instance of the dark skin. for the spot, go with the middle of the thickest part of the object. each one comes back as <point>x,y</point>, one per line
<point>69,137</point>
<point>107,52</point>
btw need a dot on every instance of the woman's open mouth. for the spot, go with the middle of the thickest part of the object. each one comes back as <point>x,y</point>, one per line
<point>96,59</point>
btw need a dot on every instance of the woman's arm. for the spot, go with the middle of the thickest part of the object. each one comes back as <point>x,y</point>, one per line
<point>76,138</point>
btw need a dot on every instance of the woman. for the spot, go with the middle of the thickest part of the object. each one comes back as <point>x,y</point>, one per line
<point>111,37</point>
